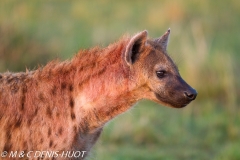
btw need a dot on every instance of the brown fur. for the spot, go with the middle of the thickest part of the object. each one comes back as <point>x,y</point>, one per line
<point>64,105</point>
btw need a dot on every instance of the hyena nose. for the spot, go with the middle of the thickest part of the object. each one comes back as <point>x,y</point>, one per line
<point>191,94</point>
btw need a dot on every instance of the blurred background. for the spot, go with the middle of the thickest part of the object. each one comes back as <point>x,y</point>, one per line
<point>204,43</point>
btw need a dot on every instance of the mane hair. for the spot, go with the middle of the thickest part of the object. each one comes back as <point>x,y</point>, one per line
<point>88,62</point>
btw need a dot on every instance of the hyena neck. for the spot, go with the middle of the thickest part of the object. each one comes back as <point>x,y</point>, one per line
<point>104,89</point>
<point>102,103</point>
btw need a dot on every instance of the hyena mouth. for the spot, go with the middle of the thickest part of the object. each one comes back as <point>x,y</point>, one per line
<point>171,103</point>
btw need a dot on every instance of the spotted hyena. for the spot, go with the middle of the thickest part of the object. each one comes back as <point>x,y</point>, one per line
<point>65,105</point>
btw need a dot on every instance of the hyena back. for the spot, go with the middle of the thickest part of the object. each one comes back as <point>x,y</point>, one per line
<point>64,105</point>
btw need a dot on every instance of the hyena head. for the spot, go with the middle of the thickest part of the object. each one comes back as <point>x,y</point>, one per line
<point>151,67</point>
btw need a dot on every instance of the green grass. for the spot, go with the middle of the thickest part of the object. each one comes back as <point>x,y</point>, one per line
<point>204,43</point>
<point>150,131</point>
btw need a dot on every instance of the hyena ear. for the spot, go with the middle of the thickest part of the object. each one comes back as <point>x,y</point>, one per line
<point>134,46</point>
<point>163,40</point>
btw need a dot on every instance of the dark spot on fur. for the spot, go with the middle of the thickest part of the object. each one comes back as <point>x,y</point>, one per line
<point>7,147</point>
<point>8,136</point>
<point>73,116</point>
<point>22,102</point>
<point>75,129</point>
<point>63,86</point>
<point>49,112</point>
<point>65,141</point>
<point>71,103</point>
<point>77,137</point>
<point>36,112</point>
<point>66,72</point>
<point>14,88</point>
<point>41,97</point>
<point>54,90</point>
<point>70,87</point>
<point>41,140</point>
<point>8,144</point>
<point>80,69</point>
<point>18,124</point>
<point>1,76</point>
<point>10,79</point>
<point>60,131</point>
<point>41,157</point>
<point>24,90</point>
<point>55,146</point>
<point>49,132</point>
<point>24,144</point>
<point>80,85</point>
<point>50,143</point>
<point>101,71</point>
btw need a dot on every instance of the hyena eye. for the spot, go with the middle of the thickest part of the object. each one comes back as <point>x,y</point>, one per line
<point>160,74</point>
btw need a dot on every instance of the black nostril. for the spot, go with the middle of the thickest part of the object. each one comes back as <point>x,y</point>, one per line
<point>190,96</point>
